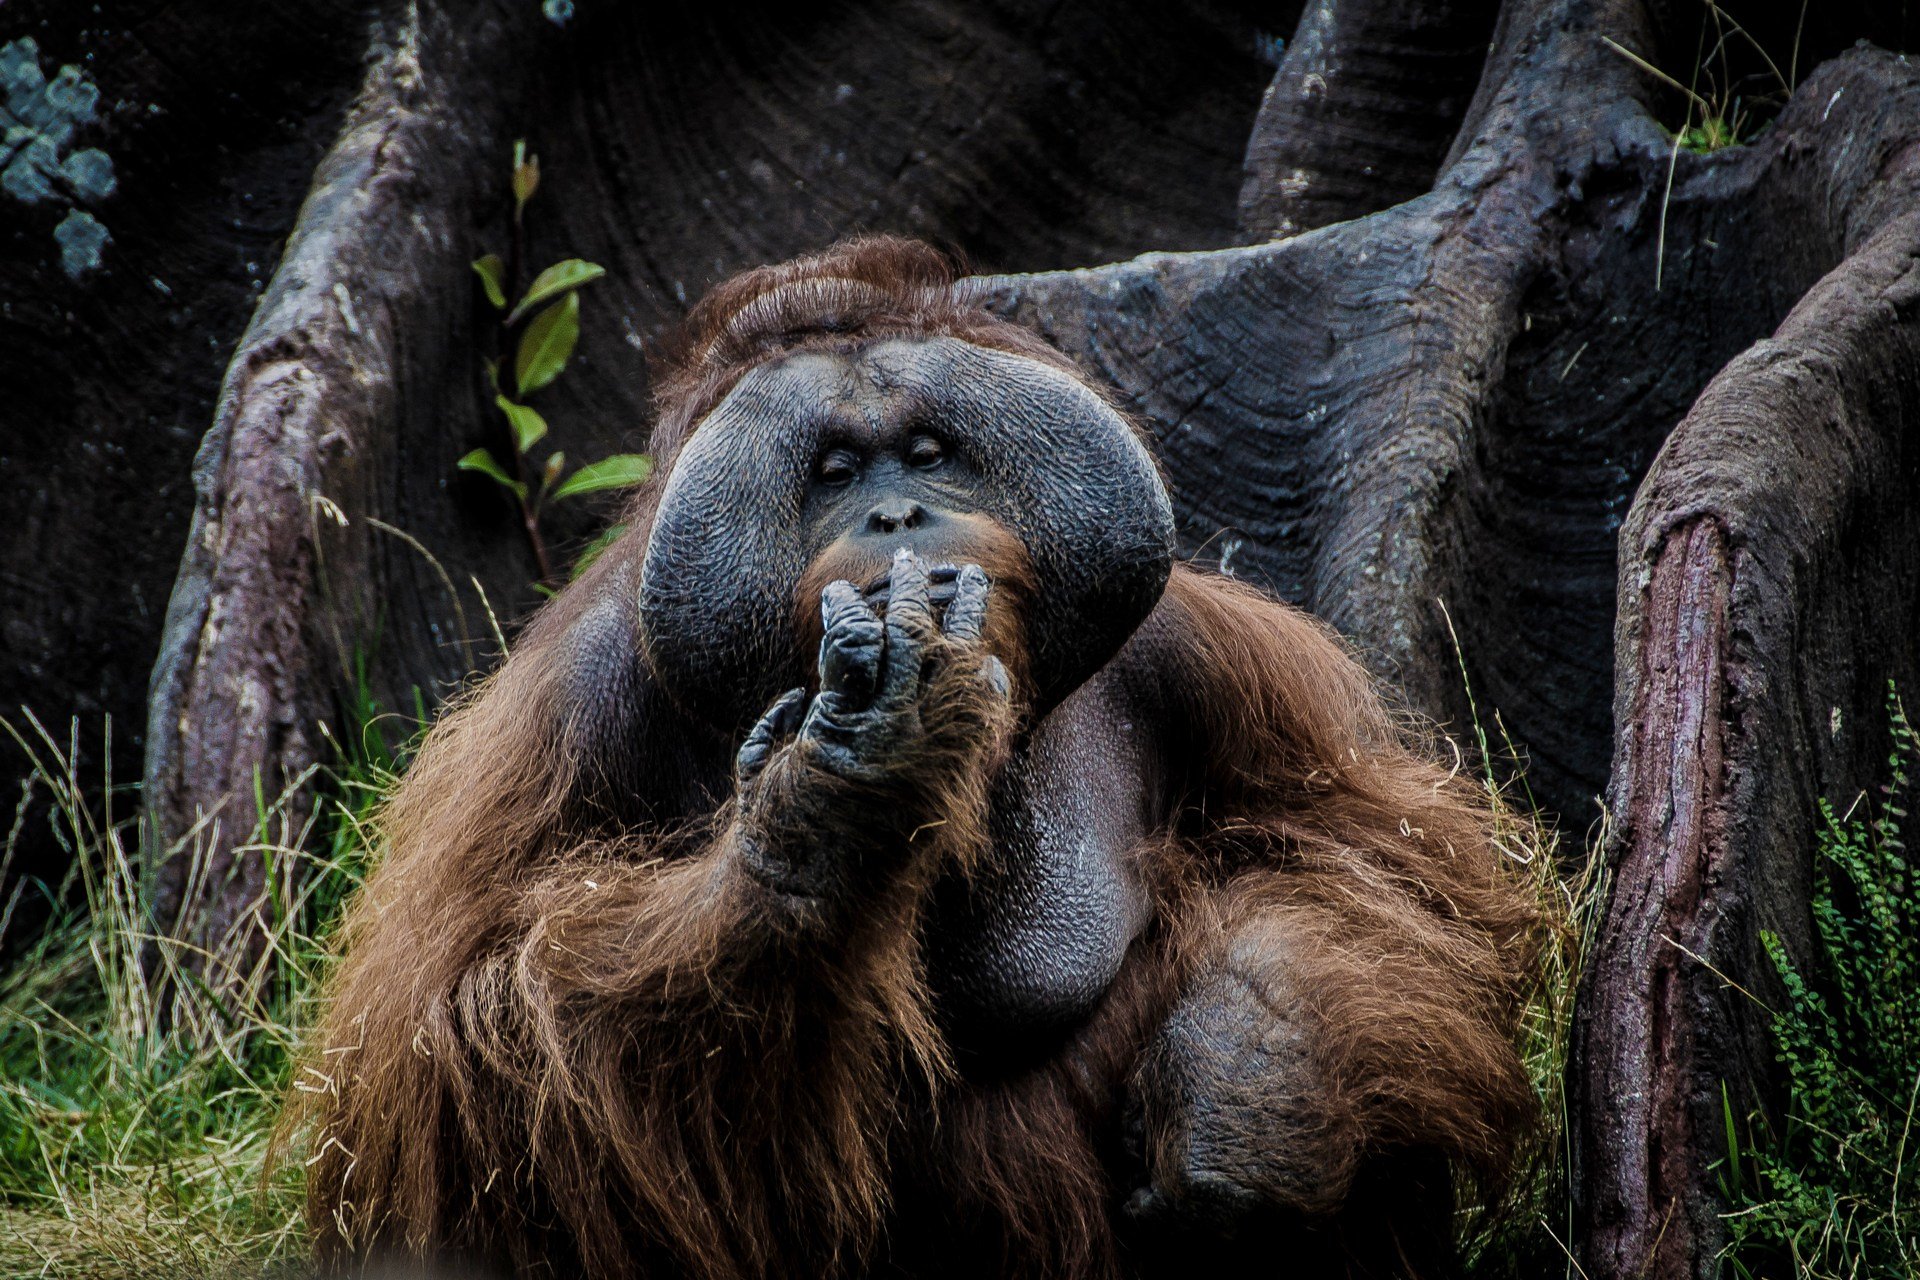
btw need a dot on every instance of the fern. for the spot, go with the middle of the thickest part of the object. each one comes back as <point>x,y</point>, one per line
<point>1829,1196</point>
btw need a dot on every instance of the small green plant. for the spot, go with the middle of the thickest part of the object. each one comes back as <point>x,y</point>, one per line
<point>1721,116</point>
<point>537,337</point>
<point>1829,1190</point>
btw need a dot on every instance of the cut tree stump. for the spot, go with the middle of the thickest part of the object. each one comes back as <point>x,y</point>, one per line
<point>1445,339</point>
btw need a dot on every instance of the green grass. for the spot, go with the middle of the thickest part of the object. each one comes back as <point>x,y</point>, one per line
<point>1718,114</point>
<point>1827,1190</point>
<point>138,1104</point>
<point>137,1098</point>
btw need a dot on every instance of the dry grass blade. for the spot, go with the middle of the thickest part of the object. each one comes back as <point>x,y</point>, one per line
<point>140,1074</point>
<point>1518,1237</point>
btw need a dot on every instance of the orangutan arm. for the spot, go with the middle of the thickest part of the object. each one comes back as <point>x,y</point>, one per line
<point>1352,954</point>
<point>1329,1019</point>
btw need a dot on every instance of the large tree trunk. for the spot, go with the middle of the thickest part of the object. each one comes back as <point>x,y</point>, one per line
<point>1768,593</point>
<point>1493,358</point>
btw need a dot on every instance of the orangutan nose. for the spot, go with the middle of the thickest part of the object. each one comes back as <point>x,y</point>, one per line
<point>896,515</point>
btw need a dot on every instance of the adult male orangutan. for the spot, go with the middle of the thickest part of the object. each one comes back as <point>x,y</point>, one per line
<point>889,860</point>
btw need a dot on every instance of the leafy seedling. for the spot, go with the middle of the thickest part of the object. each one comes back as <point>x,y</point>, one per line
<point>538,334</point>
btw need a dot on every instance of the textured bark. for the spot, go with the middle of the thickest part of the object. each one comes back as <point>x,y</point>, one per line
<point>1361,111</point>
<point>1347,414</point>
<point>281,588</point>
<point>211,118</point>
<point>1768,593</point>
<point>1438,400</point>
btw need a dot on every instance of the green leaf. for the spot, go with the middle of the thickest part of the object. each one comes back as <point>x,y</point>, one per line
<point>493,278</point>
<point>546,344</point>
<point>620,471</point>
<point>593,550</point>
<point>556,463</point>
<point>483,462</point>
<point>554,281</point>
<point>528,426</point>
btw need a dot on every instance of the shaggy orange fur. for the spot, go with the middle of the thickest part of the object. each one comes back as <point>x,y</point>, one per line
<point>561,1047</point>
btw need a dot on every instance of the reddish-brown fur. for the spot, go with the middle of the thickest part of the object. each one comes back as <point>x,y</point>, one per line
<point>554,1046</point>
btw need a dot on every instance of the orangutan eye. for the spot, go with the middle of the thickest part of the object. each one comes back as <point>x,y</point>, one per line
<point>838,468</point>
<point>924,451</point>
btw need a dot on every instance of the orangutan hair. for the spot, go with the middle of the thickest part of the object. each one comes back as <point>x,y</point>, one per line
<point>565,1036</point>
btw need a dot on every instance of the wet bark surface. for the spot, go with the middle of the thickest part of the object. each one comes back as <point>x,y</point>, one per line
<point>1441,334</point>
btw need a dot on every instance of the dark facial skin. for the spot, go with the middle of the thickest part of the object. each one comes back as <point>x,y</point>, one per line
<point>884,483</point>
<point>795,475</point>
